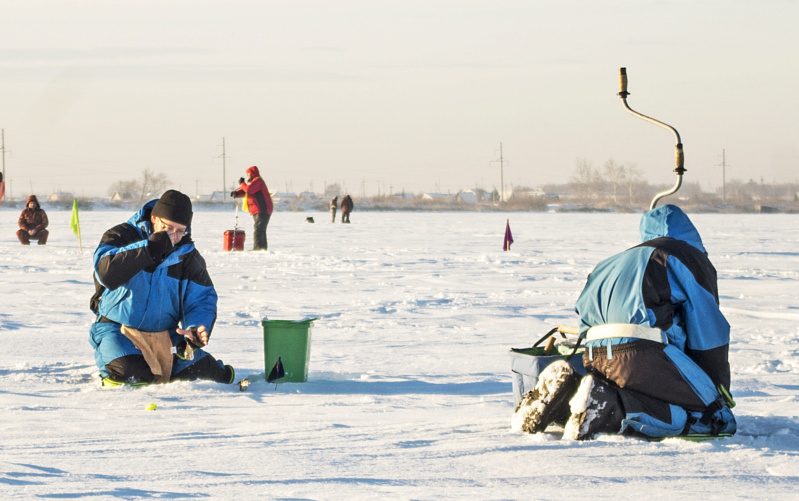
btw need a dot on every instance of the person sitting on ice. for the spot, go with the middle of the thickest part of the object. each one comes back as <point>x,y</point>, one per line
<point>656,345</point>
<point>154,298</point>
<point>33,223</point>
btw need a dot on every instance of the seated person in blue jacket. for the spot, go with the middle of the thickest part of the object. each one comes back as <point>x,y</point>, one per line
<point>154,300</point>
<point>656,345</point>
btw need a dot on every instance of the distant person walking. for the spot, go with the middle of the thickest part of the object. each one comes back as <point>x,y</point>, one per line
<point>333,207</point>
<point>33,223</point>
<point>257,202</point>
<point>346,208</point>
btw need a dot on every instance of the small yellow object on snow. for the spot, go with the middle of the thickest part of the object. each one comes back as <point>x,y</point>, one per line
<point>151,407</point>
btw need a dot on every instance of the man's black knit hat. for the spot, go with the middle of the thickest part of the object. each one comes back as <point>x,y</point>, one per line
<point>174,206</point>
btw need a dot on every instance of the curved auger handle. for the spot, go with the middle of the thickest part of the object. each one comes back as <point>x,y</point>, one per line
<point>678,154</point>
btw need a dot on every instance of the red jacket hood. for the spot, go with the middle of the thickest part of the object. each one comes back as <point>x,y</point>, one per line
<point>32,198</point>
<point>253,172</point>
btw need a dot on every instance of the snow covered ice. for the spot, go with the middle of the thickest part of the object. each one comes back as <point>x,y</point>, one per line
<point>409,391</point>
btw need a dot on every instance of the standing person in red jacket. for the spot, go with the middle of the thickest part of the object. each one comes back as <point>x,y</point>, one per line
<point>257,202</point>
<point>33,223</point>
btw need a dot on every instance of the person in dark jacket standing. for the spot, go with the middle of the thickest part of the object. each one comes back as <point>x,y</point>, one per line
<point>154,300</point>
<point>656,342</point>
<point>33,223</point>
<point>333,207</point>
<point>346,208</point>
<point>257,202</point>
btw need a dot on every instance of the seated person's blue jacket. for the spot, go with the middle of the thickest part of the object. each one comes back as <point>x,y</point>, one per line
<point>136,289</point>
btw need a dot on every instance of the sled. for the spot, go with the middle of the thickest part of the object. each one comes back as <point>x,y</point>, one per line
<point>691,437</point>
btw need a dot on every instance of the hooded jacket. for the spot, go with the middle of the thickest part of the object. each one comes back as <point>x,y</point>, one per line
<point>258,199</point>
<point>346,204</point>
<point>136,289</point>
<point>33,219</point>
<point>666,282</point>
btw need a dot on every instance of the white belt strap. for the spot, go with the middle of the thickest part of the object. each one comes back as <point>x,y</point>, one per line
<point>626,330</point>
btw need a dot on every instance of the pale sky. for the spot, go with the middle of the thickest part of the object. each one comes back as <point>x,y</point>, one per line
<point>393,95</point>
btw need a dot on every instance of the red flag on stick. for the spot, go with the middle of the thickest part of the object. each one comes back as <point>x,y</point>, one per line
<point>508,236</point>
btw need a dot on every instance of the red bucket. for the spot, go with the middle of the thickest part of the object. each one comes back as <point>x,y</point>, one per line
<point>234,240</point>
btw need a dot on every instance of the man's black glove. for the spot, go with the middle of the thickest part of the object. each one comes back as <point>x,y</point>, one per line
<point>233,194</point>
<point>241,180</point>
<point>159,245</point>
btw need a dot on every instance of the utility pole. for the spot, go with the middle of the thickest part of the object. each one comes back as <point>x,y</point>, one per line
<point>224,179</point>
<point>501,174</point>
<point>723,176</point>
<point>3,148</point>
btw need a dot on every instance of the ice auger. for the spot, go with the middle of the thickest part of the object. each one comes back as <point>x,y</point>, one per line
<point>679,156</point>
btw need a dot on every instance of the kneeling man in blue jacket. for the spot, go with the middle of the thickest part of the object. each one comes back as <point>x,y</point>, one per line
<point>656,345</point>
<point>154,300</point>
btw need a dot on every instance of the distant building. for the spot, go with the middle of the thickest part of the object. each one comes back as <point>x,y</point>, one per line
<point>60,196</point>
<point>525,193</point>
<point>437,196</point>
<point>474,196</point>
<point>467,197</point>
<point>284,197</point>
<point>219,196</point>
<point>122,196</point>
<point>307,195</point>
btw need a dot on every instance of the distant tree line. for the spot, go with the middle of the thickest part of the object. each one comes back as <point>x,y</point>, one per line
<point>623,186</point>
<point>150,184</point>
<point>614,186</point>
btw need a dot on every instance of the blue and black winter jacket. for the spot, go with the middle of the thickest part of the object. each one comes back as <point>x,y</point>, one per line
<point>666,282</point>
<point>136,289</point>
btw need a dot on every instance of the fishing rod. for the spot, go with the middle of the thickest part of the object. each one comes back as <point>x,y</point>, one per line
<point>679,156</point>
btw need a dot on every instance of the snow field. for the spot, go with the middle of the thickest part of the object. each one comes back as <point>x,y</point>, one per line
<point>409,393</point>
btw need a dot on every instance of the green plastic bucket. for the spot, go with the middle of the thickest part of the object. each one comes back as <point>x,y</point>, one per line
<point>291,342</point>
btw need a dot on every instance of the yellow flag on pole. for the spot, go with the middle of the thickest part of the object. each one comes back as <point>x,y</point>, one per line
<point>75,223</point>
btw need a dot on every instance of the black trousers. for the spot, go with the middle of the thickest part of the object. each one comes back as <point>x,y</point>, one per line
<point>260,221</point>
<point>134,369</point>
